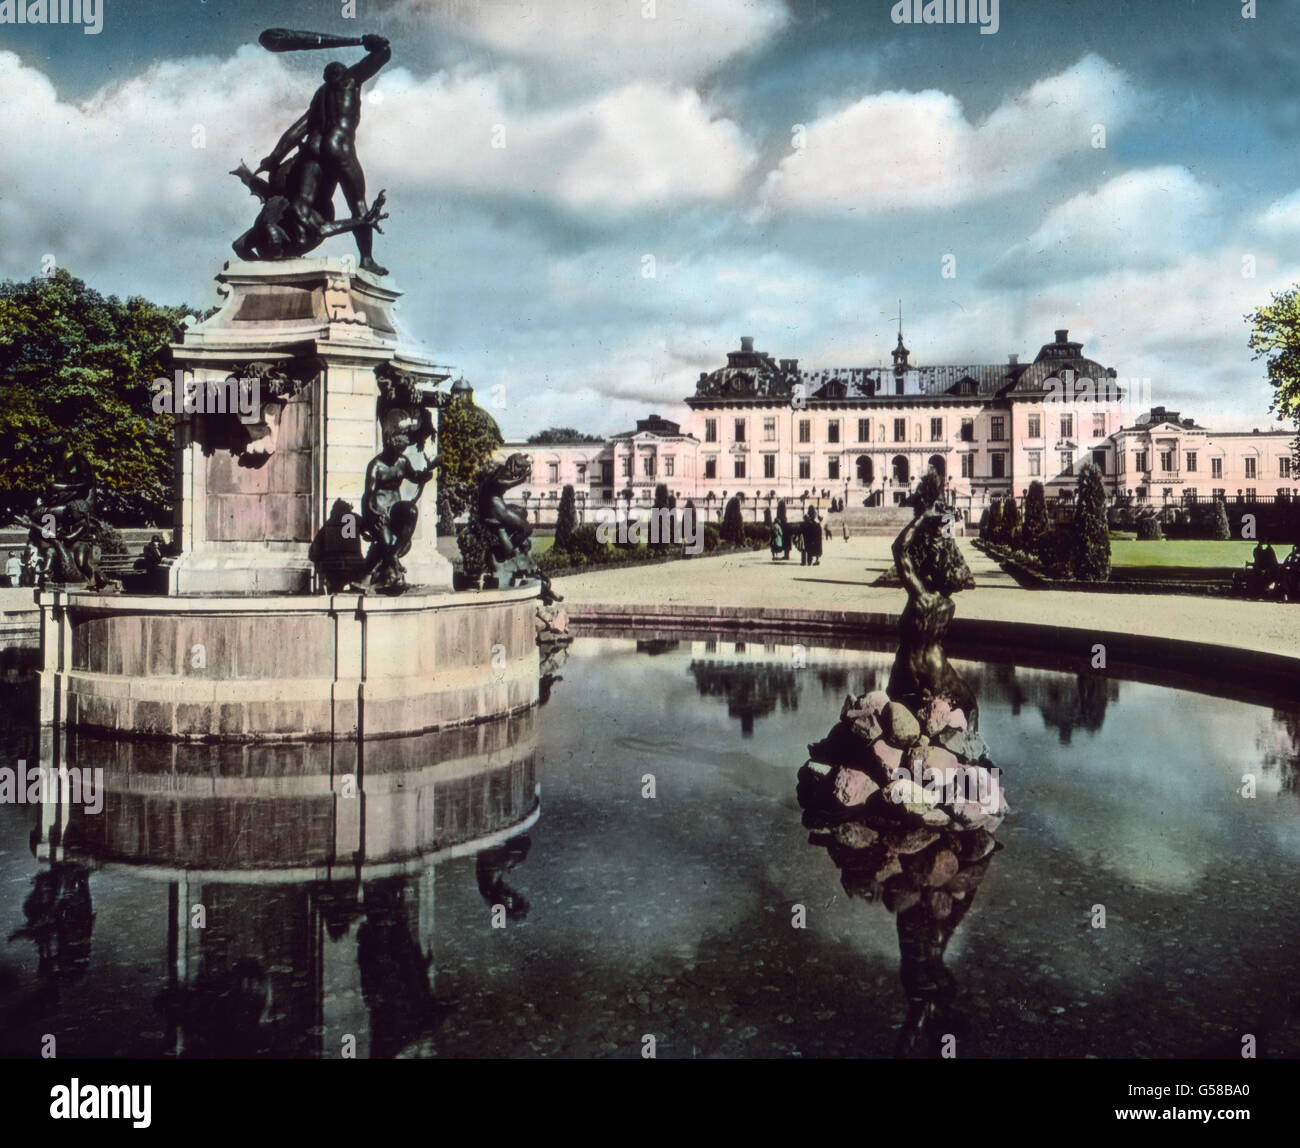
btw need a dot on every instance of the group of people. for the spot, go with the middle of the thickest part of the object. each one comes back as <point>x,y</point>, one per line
<point>806,536</point>
<point>1267,577</point>
<point>23,567</point>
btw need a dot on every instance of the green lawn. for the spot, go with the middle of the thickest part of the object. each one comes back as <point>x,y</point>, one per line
<point>1231,555</point>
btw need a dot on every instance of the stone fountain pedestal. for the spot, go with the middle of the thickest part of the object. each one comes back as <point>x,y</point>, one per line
<point>251,496</point>
<point>242,649</point>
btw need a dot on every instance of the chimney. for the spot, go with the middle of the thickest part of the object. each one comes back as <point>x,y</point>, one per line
<point>1062,334</point>
<point>747,344</point>
<point>1015,360</point>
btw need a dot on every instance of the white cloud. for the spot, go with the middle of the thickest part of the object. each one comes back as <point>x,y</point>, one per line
<point>918,150</point>
<point>1281,217</point>
<point>575,41</point>
<point>641,146</point>
<point>1150,217</point>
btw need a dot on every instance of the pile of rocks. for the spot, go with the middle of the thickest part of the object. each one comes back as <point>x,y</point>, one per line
<point>905,801</point>
<point>882,761</point>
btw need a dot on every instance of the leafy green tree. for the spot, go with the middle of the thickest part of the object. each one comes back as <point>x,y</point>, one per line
<point>76,380</point>
<point>562,434</point>
<point>467,437</point>
<point>1036,524</point>
<point>733,523</point>
<point>566,519</point>
<point>1275,337</point>
<point>1091,536</point>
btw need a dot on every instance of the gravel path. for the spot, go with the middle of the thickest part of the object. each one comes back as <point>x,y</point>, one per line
<point>843,582</point>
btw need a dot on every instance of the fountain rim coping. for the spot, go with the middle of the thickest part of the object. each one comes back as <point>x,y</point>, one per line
<point>353,603</point>
<point>1200,658</point>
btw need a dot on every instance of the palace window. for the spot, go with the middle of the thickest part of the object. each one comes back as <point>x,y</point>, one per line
<point>1190,457</point>
<point>968,466</point>
<point>1035,428</point>
<point>1098,426</point>
<point>1140,460</point>
<point>739,467</point>
<point>668,466</point>
<point>769,430</point>
<point>648,466</point>
<point>833,431</point>
<point>582,472</point>
<point>710,468</point>
<point>740,430</point>
<point>1067,426</point>
<point>1216,468</point>
<point>1250,468</point>
<point>710,430</point>
<point>999,460</point>
<point>832,468</point>
<point>1067,462</point>
<point>1035,458</point>
<point>1166,460</point>
<point>900,430</point>
<point>805,430</point>
<point>864,430</point>
<point>1099,460</point>
<point>967,430</point>
<point>627,468</point>
<point>769,466</point>
<point>553,472</point>
<point>805,466</point>
<point>936,430</point>
<point>998,428</point>
<point>1284,467</point>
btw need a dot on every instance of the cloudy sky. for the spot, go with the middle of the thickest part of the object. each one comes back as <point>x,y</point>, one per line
<point>788,169</point>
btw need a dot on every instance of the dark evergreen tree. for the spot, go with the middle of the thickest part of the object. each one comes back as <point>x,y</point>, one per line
<point>1009,525</point>
<point>733,523</point>
<point>1036,525</point>
<point>1091,536</point>
<point>566,519</point>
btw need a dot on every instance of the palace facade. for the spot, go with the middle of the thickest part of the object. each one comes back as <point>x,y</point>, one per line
<point>767,428</point>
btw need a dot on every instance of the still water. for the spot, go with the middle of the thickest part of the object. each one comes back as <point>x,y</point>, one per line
<point>629,862</point>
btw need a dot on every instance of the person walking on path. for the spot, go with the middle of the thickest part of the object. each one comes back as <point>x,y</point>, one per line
<point>778,540</point>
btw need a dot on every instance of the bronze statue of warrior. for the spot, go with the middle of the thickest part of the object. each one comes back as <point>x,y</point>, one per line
<point>325,160</point>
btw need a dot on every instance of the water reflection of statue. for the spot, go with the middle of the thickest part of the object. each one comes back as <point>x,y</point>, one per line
<point>60,920</point>
<point>223,1012</point>
<point>931,569</point>
<point>493,865</point>
<point>394,970</point>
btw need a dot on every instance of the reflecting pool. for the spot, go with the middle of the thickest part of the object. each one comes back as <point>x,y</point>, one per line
<point>629,861</point>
